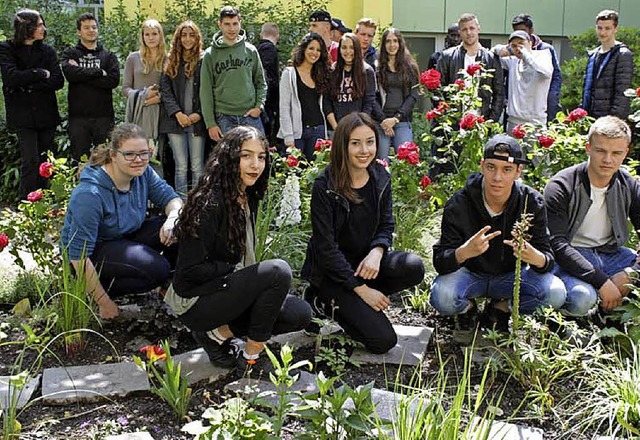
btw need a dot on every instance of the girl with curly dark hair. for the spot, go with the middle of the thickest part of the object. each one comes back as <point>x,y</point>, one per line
<point>353,82</point>
<point>302,86</point>
<point>219,290</point>
<point>350,265</point>
<point>397,81</point>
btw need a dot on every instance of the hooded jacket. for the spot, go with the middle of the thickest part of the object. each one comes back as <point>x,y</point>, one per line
<point>232,79</point>
<point>329,214</point>
<point>465,214</point>
<point>29,96</point>
<point>603,91</point>
<point>98,211</point>
<point>90,82</point>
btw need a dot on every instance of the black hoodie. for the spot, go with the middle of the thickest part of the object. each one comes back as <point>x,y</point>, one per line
<point>90,82</point>
<point>465,214</point>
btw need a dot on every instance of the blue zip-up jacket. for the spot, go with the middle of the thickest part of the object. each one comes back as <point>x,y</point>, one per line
<point>98,211</point>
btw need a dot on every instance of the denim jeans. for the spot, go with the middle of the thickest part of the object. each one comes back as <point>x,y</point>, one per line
<point>307,142</point>
<point>227,122</point>
<point>450,293</point>
<point>582,296</point>
<point>402,134</point>
<point>187,147</point>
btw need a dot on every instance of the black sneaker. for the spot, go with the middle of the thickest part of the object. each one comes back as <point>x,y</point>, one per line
<point>254,368</point>
<point>465,325</point>
<point>220,355</point>
<point>495,319</point>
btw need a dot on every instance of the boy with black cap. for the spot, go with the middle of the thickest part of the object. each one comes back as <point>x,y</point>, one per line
<point>475,255</point>
<point>529,79</point>
<point>320,22</point>
<point>338,29</point>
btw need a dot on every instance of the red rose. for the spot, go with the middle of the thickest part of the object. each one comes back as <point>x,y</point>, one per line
<point>46,169</point>
<point>473,68</point>
<point>460,83</point>
<point>322,144</point>
<point>406,148</point>
<point>34,196</point>
<point>4,240</point>
<point>426,181</point>
<point>469,120</point>
<point>638,92</point>
<point>383,162</point>
<point>430,79</point>
<point>413,158</point>
<point>576,114</point>
<point>431,114</point>
<point>292,161</point>
<point>518,131</point>
<point>545,140</point>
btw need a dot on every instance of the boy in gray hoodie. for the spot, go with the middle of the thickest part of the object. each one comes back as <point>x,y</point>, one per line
<point>232,89</point>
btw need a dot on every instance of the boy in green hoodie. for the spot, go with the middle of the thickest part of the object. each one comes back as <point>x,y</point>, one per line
<point>233,89</point>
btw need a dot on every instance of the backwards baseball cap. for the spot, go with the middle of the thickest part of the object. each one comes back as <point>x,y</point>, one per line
<point>320,15</point>
<point>338,25</point>
<point>519,34</point>
<point>524,19</point>
<point>502,143</point>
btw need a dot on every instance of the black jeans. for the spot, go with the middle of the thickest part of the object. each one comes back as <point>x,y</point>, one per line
<point>86,133</point>
<point>398,271</point>
<point>33,144</point>
<point>253,301</point>
<point>136,263</point>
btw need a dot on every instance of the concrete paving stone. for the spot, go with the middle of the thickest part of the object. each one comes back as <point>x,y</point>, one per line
<point>410,349</point>
<point>387,403</point>
<point>265,390</point>
<point>90,383</point>
<point>509,431</point>
<point>196,367</point>
<point>25,393</point>
<point>140,435</point>
<point>301,339</point>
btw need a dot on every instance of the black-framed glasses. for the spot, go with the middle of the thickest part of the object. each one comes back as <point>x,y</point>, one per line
<point>130,156</point>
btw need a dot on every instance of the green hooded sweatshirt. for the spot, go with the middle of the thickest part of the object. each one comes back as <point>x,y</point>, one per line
<point>231,79</point>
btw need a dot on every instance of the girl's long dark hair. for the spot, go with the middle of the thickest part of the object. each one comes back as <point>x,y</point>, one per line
<point>404,64</point>
<point>339,170</point>
<point>357,69</point>
<point>25,23</point>
<point>178,54</point>
<point>320,70</point>
<point>220,183</point>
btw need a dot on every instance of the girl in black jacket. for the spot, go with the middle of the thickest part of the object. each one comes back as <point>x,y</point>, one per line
<point>219,290</point>
<point>30,77</point>
<point>349,263</point>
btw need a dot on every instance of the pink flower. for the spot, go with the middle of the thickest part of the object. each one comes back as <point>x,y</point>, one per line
<point>426,181</point>
<point>575,115</point>
<point>638,92</point>
<point>322,144</point>
<point>34,196</point>
<point>46,169</point>
<point>383,162</point>
<point>473,68</point>
<point>406,148</point>
<point>4,240</point>
<point>292,161</point>
<point>430,79</point>
<point>469,121</point>
<point>518,131</point>
<point>460,83</point>
<point>273,149</point>
<point>545,140</point>
<point>413,158</point>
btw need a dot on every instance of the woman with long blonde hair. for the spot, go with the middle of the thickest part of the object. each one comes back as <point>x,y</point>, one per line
<point>182,119</point>
<point>141,80</point>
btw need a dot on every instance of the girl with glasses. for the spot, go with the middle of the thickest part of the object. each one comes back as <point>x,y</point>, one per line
<point>106,234</point>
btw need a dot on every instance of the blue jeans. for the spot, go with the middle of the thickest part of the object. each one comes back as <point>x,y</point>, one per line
<point>186,147</point>
<point>582,296</point>
<point>227,122</point>
<point>307,142</point>
<point>402,134</point>
<point>450,293</point>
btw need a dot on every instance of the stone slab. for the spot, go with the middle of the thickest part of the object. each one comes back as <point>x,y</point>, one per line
<point>196,367</point>
<point>387,403</point>
<point>410,349</point>
<point>90,383</point>
<point>25,393</point>
<point>300,339</point>
<point>266,391</point>
<point>509,431</point>
<point>140,435</point>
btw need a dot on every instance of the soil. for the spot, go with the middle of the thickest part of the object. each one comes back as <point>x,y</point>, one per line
<point>148,412</point>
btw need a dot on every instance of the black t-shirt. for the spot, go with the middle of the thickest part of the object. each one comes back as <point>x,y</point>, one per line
<point>311,114</point>
<point>354,240</point>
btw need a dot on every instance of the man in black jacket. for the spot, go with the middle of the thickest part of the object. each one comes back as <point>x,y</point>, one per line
<point>269,36</point>
<point>93,72</point>
<point>475,255</point>
<point>589,206</point>
<point>609,71</point>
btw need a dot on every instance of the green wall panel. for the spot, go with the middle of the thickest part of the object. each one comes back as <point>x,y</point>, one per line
<point>491,13</point>
<point>580,15</point>
<point>548,15</point>
<point>419,15</point>
<point>630,13</point>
